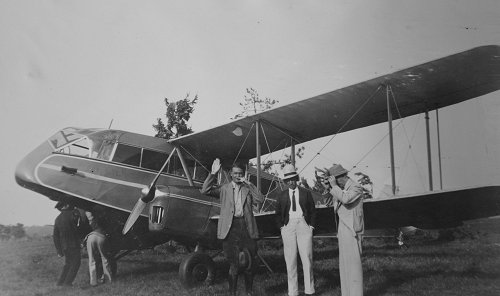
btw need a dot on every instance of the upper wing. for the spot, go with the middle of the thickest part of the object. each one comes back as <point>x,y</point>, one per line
<point>428,86</point>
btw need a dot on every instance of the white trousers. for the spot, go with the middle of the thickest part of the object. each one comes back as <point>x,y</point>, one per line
<point>96,250</point>
<point>297,236</point>
<point>351,271</point>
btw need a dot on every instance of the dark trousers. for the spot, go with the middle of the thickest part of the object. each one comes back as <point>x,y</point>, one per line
<point>236,240</point>
<point>72,260</point>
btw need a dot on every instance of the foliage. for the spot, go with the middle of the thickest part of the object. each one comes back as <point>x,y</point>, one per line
<point>271,166</point>
<point>12,231</point>
<point>367,184</point>
<point>177,115</point>
<point>253,104</point>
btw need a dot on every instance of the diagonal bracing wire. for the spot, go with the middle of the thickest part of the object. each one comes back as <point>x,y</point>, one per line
<point>343,126</point>
<point>375,146</point>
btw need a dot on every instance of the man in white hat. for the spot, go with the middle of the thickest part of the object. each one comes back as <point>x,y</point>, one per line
<point>295,216</point>
<point>348,202</point>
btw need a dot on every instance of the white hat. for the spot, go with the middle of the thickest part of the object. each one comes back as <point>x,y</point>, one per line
<point>289,172</point>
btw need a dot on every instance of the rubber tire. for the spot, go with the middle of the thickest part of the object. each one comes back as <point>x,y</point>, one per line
<point>197,269</point>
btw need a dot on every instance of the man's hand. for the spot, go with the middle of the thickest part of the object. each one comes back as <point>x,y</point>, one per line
<point>331,180</point>
<point>215,166</point>
<point>243,180</point>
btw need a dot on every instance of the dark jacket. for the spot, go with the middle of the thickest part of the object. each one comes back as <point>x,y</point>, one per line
<point>66,235</point>
<point>306,203</point>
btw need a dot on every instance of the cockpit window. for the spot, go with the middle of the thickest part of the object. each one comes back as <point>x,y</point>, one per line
<point>80,147</point>
<point>103,150</point>
<point>63,137</point>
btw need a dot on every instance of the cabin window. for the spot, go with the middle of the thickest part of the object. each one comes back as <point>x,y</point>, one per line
<point>127,154</point>
<point>200,173</point>
<point>153,160</point>
<point>175,166</point>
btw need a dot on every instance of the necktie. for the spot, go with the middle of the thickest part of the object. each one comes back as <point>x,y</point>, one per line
<point>294,207</point>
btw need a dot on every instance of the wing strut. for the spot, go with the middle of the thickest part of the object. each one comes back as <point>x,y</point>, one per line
<point>257,143</point>
<point>439,151</point>
<point>429,160</point>
<point>184,167</point>
<point>391,139</point>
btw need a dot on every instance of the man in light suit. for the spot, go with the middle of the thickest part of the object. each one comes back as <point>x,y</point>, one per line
<point>295,216</point>
<point>347,198</point>
<point>237,227</point>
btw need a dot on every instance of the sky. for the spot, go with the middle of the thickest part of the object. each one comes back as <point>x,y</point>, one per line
<point>87,63</point>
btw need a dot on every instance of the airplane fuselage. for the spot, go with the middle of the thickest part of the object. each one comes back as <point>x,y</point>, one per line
<point>109,176</point>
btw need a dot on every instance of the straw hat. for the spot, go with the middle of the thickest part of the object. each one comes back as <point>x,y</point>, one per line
<point>289,172</point>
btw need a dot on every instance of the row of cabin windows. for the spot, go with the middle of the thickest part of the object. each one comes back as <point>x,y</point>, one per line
<point>133,155</point>
<point>154,160</point>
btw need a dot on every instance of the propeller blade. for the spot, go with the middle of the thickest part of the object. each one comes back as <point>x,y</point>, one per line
<point>138,208</point>
<point>147,195</point>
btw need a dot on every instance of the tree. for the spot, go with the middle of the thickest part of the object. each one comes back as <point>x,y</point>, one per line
<point>17,230</point>
<point>12,231</point>
<point>253,104</point>
<point>367,184</point>
<point>178,114</point>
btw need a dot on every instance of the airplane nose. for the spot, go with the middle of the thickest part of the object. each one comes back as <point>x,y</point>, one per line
<point>25,170</point>
<point>24,173</point>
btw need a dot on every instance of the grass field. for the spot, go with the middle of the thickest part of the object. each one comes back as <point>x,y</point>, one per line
<point>469,265</point>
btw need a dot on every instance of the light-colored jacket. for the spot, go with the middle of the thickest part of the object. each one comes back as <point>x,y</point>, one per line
<point>249,195</point>
<point>349,206</point>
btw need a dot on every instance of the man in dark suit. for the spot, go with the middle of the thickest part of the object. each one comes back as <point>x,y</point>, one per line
<point>295,216</point>
<point>67,242</point>
<point>237,227</point>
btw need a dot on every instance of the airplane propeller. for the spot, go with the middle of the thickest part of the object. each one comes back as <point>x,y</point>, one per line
<point>147,195</point>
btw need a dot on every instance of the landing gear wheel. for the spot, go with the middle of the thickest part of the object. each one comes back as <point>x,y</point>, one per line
<point>197,269</point>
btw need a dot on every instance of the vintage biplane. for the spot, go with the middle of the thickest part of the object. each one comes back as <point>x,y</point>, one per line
<point>151,186</point>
